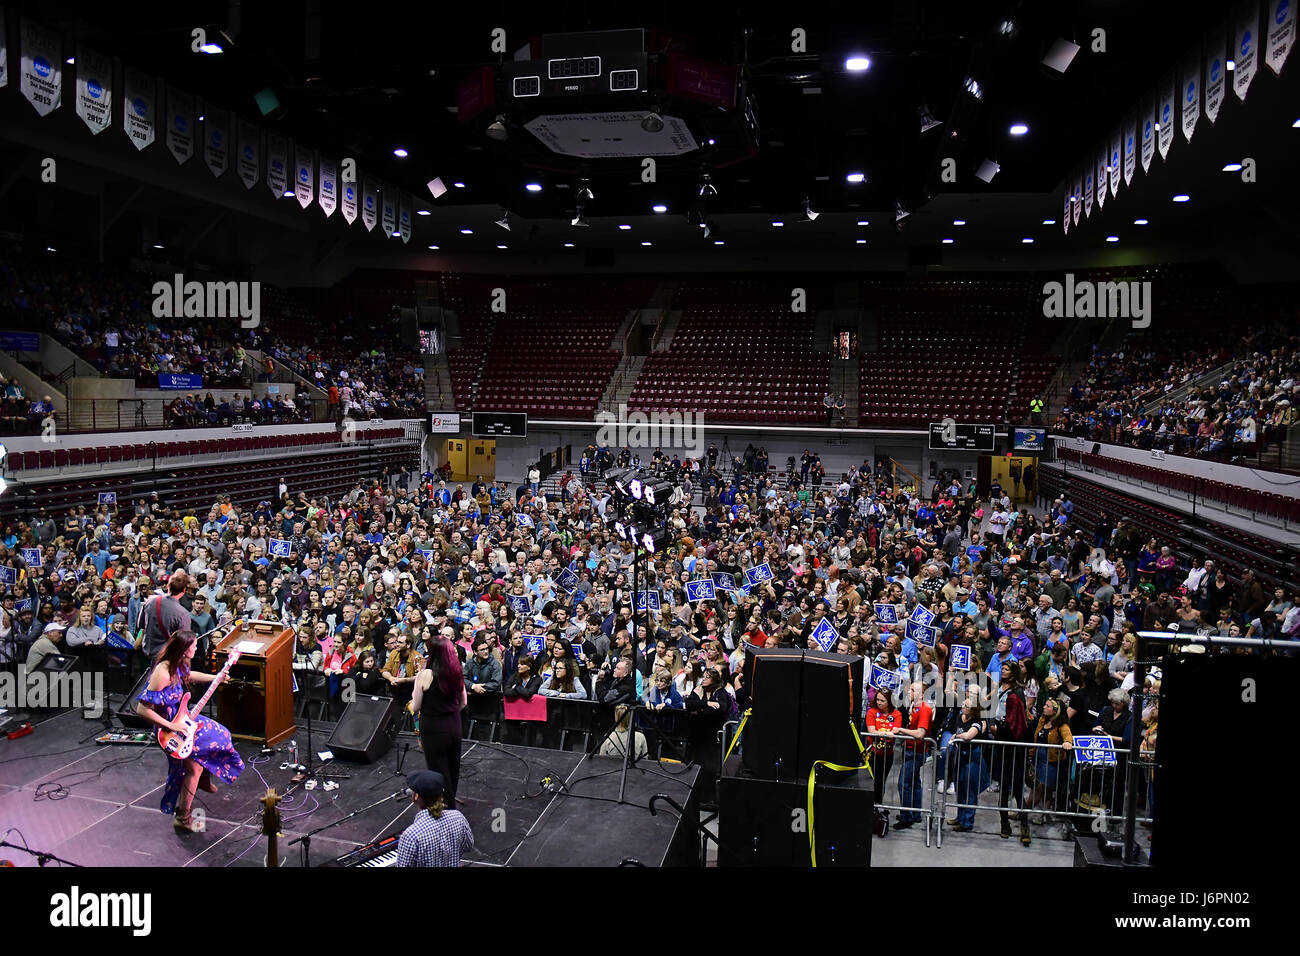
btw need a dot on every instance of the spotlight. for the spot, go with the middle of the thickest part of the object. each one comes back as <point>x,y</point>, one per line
<point>584,189</point>
<point>650,542</point>
<point>211,48</point>
<point>579,218</point>
<point>634,488</point>
<point>659,207</point>
<point>706,185</point>
<point>928,122</point>
<point>652,122</point>
<point>856,177</point>
<point>400,153</point>
<point>504,221</point>
<point>973,88</point>
<point>857,64</point>
<point>497,129</point>
<point>619,529</point>
<point>1019,129</point>
<point>533,187</point>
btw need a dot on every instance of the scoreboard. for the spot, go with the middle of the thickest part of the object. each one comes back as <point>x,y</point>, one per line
<point>961,437</point>
<point>499,424</point>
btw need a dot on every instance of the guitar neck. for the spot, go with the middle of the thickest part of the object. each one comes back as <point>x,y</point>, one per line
<point>212,686</point>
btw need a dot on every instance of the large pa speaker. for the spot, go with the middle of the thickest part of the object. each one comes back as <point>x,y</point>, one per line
<point>774,680</point>
<point>126,713</point>
<point>362,734</point>
<point>829,704</point>
<point>765,822</point>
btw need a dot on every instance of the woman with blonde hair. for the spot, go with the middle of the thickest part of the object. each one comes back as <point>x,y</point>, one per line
<point>1052,761</point>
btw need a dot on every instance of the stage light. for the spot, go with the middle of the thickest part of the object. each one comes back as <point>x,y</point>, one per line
<point>1232,168</point>
<point>856,177</point>
<point>619,530</point>
<point>400,153</point>
<point>434,248</point>
<point>959,222</point>
<point>652,122</point>
<point>634,488</point>
<point>857,64</point>
<point>423,212</point>
<point>209,48</point>
<point>1049,222</point>
<point>1139,222</point>
<point>1112,238</point>
<point>1027,240</point>
<point>659,207</point>
<point>1019,129</point>
<point>706,185</point>
<point>1182,197</point>
<point>649,543</point>
<point>504,221</point>
<point>467,232</point>
<point>624,227</point>
<point>497,129</point>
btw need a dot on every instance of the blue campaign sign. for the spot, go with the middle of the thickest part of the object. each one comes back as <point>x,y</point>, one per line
<point>8,575</point>
<point>20,341</point>
<point>33,557</point>
<point>524,521</point>
<point>427,554</point>
<point>24,605</point>
<point>1095,750</point>
<point>723,580</point>
<point>959,657</point>
<point>280,548</point>
<point>179,382</point>
<point>922,633</point>
<point>701,591</point>
<point>653,600</point>
<point>519,602</point>
<point>884,679</point>
<point>536,644</point>
<point>108,497</point>
<point>759,574</point>
<point>886,613</point>
<point>825,635</point>
<point>567,580</point>
<point>922,615</point>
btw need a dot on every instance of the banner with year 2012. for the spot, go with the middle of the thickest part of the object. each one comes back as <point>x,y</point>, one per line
<point>94,89</point>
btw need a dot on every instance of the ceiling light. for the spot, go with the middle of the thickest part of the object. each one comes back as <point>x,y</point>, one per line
<point>959,222</point>
<point>1027,240</point>
<point>50,249</point>
<point>1230,65</point>
<point>210,48</point>
<point>928,122</point>
<point>157,246</point>
<point>1049,222</point>
<point>1019,129</point>
<point>467,232</point>
<point>706,185</point>
<point>1296,124</point>
<point>973,88</point>
<point>457,185</point>
<point>584,189</point>
<point>499,246</point>
<point>1061,55</point>
<point>504,221</point>
<point>987,170</point>
<point>624,226</point>
<point>287,194</point>
<point>946,242</point>
<point>1112,238</point>
<point>712,141</point>
<point>533,187</point>
<point>1182,197</point>
<point>1232,168</point>
<point>659,207</point>
<point>201,117</point>
<point>717,242</point>
<point>400,153</point>
<point>861,242</point>
<point>857,64</point>
<point>396,234</point>
<point>652,122</point>
<point>1139,222</point>
<point>855,177</point>
<point>645,242</point>
<point>778,223</point>
<point>863,222</point>
<point>422,212</point>
<point>568,245</point>
<point>497,129</point>
<point>434,248</point>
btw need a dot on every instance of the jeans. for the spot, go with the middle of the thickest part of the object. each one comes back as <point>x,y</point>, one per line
<point>972,780</point>
<point>946,752</point>
<point>909,783</point>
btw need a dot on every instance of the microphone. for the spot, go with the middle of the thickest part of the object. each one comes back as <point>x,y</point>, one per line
<point>404,792</point>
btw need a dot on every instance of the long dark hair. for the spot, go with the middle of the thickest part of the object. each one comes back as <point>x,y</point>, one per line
<point>173,655</point>
<point>444,663</point>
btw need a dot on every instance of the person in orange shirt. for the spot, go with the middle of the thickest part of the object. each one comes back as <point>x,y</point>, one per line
<point>882,718</point>
<point>920,718</point>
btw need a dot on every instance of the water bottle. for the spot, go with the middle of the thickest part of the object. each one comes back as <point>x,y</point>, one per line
<point>293,753</point>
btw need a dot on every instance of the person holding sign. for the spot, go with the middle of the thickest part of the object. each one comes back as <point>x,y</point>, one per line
<point>882,718</point>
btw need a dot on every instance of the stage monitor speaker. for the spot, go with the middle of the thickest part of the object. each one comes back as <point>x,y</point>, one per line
<point>126,710</point>
<point>57,664</point>
<point>829,704</point>
<point>362,734</point>
<point>774,679</point>
<point>765,823</point>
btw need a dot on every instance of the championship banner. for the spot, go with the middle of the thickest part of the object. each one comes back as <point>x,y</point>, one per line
<point>4,52</point>
<point>1065,216</point>
<point>349,202</point>
<point>277,164</point>
<point>1088,178</point>
<point>404,218</point>
<point>1216,74</point>
<point>1191,95</point>
<point>304,174</point>
<point>1078,199</point>
<point>1102,176</point>
<point>179,135</point>
<point>216,140</point>
<point>1148,136</point>
<point>249,161</point>
<point>369,204</point>
<point>1245,47</point>
<point>139,107</point>
<point>1130,150</point>
<point>1116,163</point>
<point>94,89</point>
<point>1281,33</point>
<point>40,68</point>
<point>1165,132</point>
<point>328,187</point>
<point>388,207</point>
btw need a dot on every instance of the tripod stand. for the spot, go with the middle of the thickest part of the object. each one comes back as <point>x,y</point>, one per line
<point>310,771</point>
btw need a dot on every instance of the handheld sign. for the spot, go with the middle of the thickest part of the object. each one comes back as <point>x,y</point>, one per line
<point>922,615</point>
<point>524,521</point>
<point>536,644</point>
<point>8,575</point>
<point>651,598</point>
<point>520,603</point>
<point>427,554</point>
<point>567,580</point>
<point>922,633</point>
<point>759,574</point>
<point>1095,750</point>
<point>883,679</point>
<point>886,613</point>
<point>825,635</point>
<point>33,557</point>
<point>701,591</point>
<point>280,548</point>
<point>960,657</point>
<point>108,497</point>
<point>24,605</point>
<point>724,581</point>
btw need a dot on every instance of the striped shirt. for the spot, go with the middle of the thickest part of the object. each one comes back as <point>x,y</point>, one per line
<point>435,842</point>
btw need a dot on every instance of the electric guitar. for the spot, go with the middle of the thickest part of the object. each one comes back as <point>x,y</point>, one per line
<point>180,743</point>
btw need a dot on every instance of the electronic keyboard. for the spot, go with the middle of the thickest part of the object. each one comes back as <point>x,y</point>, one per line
<point>380,853</point>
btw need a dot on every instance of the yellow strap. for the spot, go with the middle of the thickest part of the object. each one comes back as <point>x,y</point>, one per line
<point>737,737</point>
<point>812,779</point>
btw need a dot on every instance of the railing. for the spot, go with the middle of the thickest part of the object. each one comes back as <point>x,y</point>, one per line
<point>143,414</point>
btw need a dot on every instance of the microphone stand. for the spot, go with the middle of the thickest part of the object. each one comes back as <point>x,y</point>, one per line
<point>311,771</point>
<point>305,839</point>
<point>42,858</point>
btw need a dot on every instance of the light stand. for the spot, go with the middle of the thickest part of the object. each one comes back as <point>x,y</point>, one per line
<point>310,771</point>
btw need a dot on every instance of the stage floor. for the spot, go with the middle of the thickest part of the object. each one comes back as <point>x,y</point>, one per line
<point>97,805</point>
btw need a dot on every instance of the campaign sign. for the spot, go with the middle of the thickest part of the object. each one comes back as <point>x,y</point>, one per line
<point>567,580</point>
<point>33,557</point>
<point>759,574</point>
<point>427,555</point>
<point>24,605</point>
<point>519,602</point>
<point>8,575</point>
<point>825,635</point>
<point>523,521</point>
<point>280,548</point>
<point>922,615</point>
<point>653,598</point>
<point>959,657</point>
<point>108,497</point>
<point>701,591</point>
<point>886,613</point>
<point>922,633</point>
<point>1095,750</point>
<point>723,580</point>
<point>883,679</point>
<point>536,644</point>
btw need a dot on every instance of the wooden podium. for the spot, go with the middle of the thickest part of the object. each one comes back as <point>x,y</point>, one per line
<point>256,700</point>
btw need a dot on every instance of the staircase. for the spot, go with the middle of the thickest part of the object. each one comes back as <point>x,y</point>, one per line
<point>622,383</point>
<point>823,330</point>
<point>438,395</point>
<point>664,335</point>
<point>844,381</point>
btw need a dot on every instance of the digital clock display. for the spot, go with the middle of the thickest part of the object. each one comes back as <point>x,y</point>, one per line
<point>620,80</point>
<point>528,86</point>
<point>573,68</point>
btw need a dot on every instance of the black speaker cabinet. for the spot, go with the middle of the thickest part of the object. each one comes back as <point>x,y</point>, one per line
<point>830,703</point>
<point>126,713</point>
<point>362,735</point>
<point>765,822</point>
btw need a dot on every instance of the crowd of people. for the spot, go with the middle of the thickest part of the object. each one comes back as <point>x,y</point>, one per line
<point>194,411</point>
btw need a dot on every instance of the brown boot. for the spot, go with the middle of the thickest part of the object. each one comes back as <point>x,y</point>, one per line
<point>183,822</point>
<point>207,783</point>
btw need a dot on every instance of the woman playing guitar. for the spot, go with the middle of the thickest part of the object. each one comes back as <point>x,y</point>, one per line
<point>213,751</point>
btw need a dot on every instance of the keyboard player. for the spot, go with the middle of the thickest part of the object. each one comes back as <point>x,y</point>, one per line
<point>438,836</point>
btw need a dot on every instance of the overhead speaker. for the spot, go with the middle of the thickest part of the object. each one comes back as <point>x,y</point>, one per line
<point>362,734</point>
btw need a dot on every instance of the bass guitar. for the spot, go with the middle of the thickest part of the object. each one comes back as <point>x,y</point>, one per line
<point>180,743</point>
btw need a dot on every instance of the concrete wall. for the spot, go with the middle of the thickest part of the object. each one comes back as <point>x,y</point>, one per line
<point>1270,481</point>
<point>33,386</point>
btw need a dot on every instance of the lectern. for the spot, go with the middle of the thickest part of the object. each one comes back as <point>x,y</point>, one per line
<point>256,700</point>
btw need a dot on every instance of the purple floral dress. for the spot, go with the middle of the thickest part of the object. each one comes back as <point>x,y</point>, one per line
<point>212,746</point>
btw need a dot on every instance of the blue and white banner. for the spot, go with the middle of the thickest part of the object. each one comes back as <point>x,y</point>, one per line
<point>759,574</point>
<point>179,134</point>
<point>1095,750</point>
<point>249,156</point>
<point>4,52</point>
<point>1245,47</point>
<point>723,580</point>
<point>174,380</point>
<point>1102,177</point>
<point>277,164</point>
<point>388,209</point>
<point>922,615</point>
<point>524,521</point>
<point>216,140</point>
<point>139,107</point>
<point>883,679</point>
<point>1216,73</point>
<point>648,598</point>
<point>959,657</point>
<point>1116,164</point>
<point>520,603</point>
<point>567,581</point>
<point>94,89</point>
<point>1130,150</point>
<point>329,186</point>
<point>922,633</point>
<point>108,497</point>
<point>427,554</point>
<point>886,613</point>
<point>1281,33</point>
<point>1065,213</point>
<point>1089,185</point>
<point>304,174</point>
<point>369,204</point>
<point>701,591</point>
<point>279,548</point>
<point>1191,94</point>
<point>40,69</point>
<point>348,201</point>
<point>825,635</point>
<point>20,341</point>
<point>404,218</point>
<point>1168,103</point>
<point>33,557</point>
<point>1148,122</point>
<point>1078,199</point>
<point>8,575</point>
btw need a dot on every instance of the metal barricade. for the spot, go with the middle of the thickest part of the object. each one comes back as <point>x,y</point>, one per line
<point>903,763</point>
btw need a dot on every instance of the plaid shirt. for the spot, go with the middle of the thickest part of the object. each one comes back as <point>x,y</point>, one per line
<point>435,842</point>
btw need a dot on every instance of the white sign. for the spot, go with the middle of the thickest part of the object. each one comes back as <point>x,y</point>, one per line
<point>1130,151</point>
<point>328,189</point>
<point>1216,74</point>
<point>447,423</point>
<point>1281,33</point>
<point>216,140</point>
<point>1166,117</point>
<point>1191,96</point>
<point>1116,163</point>
<point>40,72</point>
<point>349,202</point>
<point>179,135</point>
<point>94,89</point>
<point>277,164</point>
<point>139,108</point>
<point>1148,124</point>
<point>304,175</point>
<point>249,156</point>
<point>1245,48</point>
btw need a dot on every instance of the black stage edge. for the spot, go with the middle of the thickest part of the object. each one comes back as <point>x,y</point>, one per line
<point>98,805</point>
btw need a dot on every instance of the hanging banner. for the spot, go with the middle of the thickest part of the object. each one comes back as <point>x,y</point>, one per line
<point>40,68</point>
<point>1102,177</point>
<point>369,204</point>
<point>1078,199</point>
<point>328,188</point>
<point>1065,216</point>
<point>1245,47</point>
<point>4,52</point>
<point>1089,183</point>
<point>1191,95</point>
<point>139,107</point>
<point>216,140</point>
<point>277,164</point>
<point>1148,135</point>
<point>388,207</point>
<point>1116,163</point>
<point>349,202</point>
<point>180,125</point>
<point>249,161</point>
<point>1130,150</point>
<point>304,175</point>
<point>94,89</point>
<point>1215,74</point>
<point>404,218</point>
<point>1281,33</point>
<point>1165,130</point>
